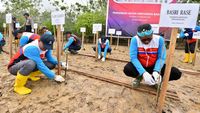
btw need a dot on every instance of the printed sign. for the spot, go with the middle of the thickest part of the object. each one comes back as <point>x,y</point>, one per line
<point>111,31</point>
<point>97,27</point>
<point>9,18</point>
<point>179,15</point>
<point>58,18</point>
<point>83,29</point>
<point>118,33</point>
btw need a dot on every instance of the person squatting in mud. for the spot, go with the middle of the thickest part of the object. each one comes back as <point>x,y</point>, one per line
<point>74,44</point>
<point>25,37</point>
<point>32,59</point>
<point>148,55</point>
<point>103,46</point>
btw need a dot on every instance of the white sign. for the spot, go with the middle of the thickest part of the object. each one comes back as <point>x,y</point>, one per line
<point>118,33</point>
<point>58,18</point>
<point>9,18</point>
<point>17,25</point>
<point>4,25</point>
<point>62,28</point>
<point>196,35</point>
<point>83,29</point>
<point>93,31</point>
<point>155,28</point>
<point>97,27</point>
<point>179,15</point>
<point>35,26</point>
<point>111,31</point>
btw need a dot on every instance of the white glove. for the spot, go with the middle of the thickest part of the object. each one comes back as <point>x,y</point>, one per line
<point>59,78</point>
<point>186,34</point>
<point>157,77</point>
<point>64,64</point>
<point>148,79</point>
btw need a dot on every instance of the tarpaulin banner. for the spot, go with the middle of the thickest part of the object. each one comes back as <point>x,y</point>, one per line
<point>127,16</point>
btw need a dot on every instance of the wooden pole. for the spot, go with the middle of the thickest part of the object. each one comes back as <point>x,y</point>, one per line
<point>94,38</point>
<point>97,36</point>
<point>195,53</point>
<point>169,62</point>
<point>117,42</point>
<point>10,40</point>
<point>128,42</point>
<point>4,32</point>
<point>59,48</point>
<point>62,42</point>
<point>35,31</point>
<point>83,36</point>
<point>111,39</point>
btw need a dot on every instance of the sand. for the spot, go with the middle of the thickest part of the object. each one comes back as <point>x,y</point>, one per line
<point>81,94</point>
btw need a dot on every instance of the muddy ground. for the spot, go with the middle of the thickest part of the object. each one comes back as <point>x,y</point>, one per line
<point>81,94</point>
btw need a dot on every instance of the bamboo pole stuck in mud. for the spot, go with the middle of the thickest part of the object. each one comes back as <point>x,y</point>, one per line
<point>59,47</point>
<point>195,53</point>
<point>169,62</point>
<point>97,37</point>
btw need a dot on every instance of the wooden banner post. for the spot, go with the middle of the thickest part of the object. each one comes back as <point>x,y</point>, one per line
<point>62,38</point>
<point>58,18</point>
<point>169,62</point>
<point>97,28</point>
<point>197,36</point>
<point>111,31</point>
<point>9,21</point>
<point>59,47</point>
<point>128,42</point>
<point>4,32</point>
<point>83,30</point>
<point>97,37</point>
<point>111,39</point>
<point>168,16</point>
<point>118,33</point>
<point>35,26</point>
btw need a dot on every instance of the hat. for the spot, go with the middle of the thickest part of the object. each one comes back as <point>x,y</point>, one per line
<point>48,41</point>
<point>144,29</point>
<point>68,32</point>
<point>16,32</point>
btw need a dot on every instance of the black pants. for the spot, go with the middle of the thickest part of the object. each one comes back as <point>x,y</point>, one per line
<point>28,28</point>
<point>102,49</point>
<point>190,47</point>
<point>74,47</point>
<point>131,71</point>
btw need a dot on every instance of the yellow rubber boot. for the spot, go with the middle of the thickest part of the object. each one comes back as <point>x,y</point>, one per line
<point>191,57</point>
<point>186,59</point>
<point>33,75</point>
<point>19,87</point>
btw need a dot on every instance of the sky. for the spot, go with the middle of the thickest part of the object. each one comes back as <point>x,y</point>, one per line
<point>48,6</point>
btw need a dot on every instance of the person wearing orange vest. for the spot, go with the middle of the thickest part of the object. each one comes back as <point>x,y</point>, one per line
<point>25,37</point>
<point>31,58</point>
<point>148,55</point>
<point>73,44</point>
